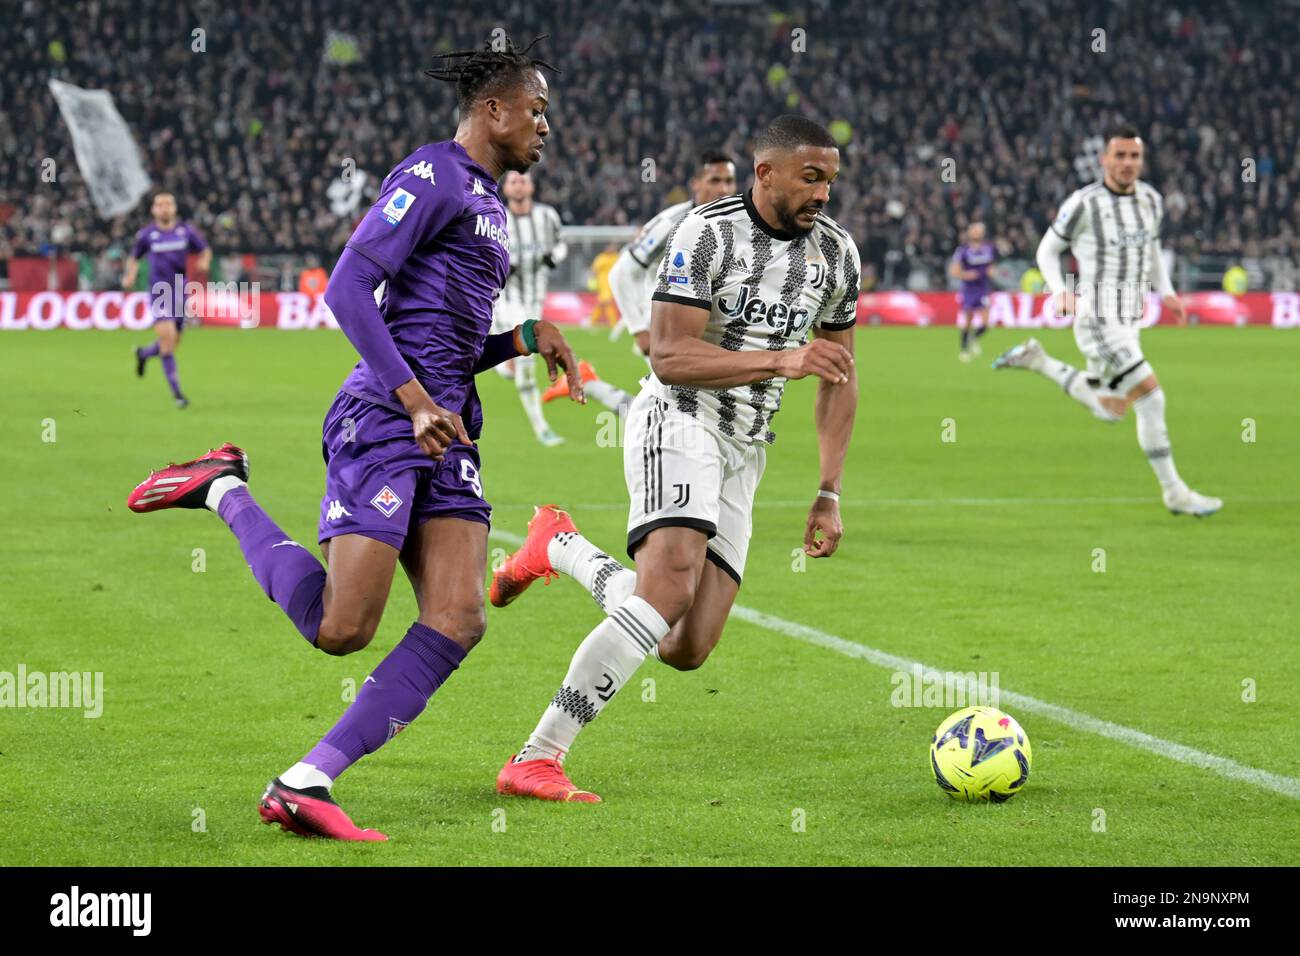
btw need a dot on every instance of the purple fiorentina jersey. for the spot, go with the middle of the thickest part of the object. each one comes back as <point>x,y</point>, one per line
<point>438,230</point>
<point>979,258</point>
<point>166,249</point>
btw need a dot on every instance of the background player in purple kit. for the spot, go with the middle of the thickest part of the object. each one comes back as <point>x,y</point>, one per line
<point>970,265</point>
<point>167,242</point>
<point>402,471</point>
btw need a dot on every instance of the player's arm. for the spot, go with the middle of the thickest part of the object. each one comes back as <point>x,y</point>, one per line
<point>833,414</point>
<point>957,272</point>
<point>129,275</point>
<point>199,245</point>
<point>559,249</point>
<point>679,356</point>
<point>835,410</point>
<point>1048,257</point>
<point>627,282</point>
<point>550,345</point>
<point>1163,285</point>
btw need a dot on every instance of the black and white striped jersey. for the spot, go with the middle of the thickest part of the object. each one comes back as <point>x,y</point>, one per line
<point>1115,237</point>
<point>648,246</point>
<point>532,237</point>
<point>764,289</point>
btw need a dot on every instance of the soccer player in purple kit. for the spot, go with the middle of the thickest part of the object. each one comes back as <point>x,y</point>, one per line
<point>970,265</point>
<point>167,242</point>
<point>402,471</point>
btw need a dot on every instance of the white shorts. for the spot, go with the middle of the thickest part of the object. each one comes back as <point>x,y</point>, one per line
<point>1114,354</point>
<point>509,315</point>
<point>681,473</point>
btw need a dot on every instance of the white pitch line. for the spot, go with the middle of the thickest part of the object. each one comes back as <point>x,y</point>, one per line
<point>1286,786</point>
<point>1149,500</point>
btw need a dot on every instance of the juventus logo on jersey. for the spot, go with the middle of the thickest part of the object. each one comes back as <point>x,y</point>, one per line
<point>683,495</point>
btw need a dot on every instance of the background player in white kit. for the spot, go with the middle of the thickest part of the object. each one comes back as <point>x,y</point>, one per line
<point>632,277</point>
<point>742,282</point>
<point>535,249</point>
<point>1113,229</point>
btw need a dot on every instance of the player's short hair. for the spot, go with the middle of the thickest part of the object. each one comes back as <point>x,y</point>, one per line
<point>711,156</point>
<point>792,131</point>
<point>492,71</point>
<point>1121,131</point>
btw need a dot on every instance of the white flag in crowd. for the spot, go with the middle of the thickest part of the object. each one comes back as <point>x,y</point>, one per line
<point>106,152</point>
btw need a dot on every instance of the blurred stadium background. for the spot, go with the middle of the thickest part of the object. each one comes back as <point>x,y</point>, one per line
<point>274,131</point>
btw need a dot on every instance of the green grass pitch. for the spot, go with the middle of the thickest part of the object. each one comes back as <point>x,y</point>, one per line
<point>974,554</point>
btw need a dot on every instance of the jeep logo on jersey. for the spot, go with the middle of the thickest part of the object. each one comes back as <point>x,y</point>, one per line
<point>483,226</point>
<point>422,170</point>
<point>1129,239</point>
<point>779,317</point>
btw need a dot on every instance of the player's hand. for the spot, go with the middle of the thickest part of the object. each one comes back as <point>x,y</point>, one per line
<point>824,518</point>
<point>548,261</point>
<point>1065,304</point>
<point>435,428</point>
<point>1175,305</point>
<point>558,356</point>
<point>828,360</point>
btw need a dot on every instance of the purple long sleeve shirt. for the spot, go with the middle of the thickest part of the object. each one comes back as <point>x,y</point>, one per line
<point>437,235</point>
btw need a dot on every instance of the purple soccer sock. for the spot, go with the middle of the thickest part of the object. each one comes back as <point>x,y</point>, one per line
<point>390,698</point>
<point>287,572</point>
<point>148,351</point>
<point>169,369</point>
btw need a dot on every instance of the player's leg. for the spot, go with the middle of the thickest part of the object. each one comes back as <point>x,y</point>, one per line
<point>1148,401</point>
<point>531,399</point>
<point>444,560</point>
<point>168,341</point>
<point>697,633</point>
<point>978,325</point>
<point>963,325</point>
<point>674,469</point>
<point>611,396</point>
<point>1031,355</point>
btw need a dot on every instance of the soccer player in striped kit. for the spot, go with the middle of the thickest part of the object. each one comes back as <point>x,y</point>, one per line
<point>535,249</point>
<point>742,283</point>
<point>167,242</point>
<point>1113,229</point>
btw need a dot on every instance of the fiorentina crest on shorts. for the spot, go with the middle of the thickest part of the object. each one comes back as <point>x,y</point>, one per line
<point>386,501</point>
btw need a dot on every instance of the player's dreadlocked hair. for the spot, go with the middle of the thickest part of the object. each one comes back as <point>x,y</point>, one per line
<point>489,71</point>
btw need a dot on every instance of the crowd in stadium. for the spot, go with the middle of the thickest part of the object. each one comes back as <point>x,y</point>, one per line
<point>947,112</point>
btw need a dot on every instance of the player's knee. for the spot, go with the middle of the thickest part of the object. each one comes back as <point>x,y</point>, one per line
<point>685,659</point>
<point>339,638</point>
<point>464,625</point>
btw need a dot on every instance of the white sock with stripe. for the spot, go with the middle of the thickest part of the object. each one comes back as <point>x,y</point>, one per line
<point>611,396</point>
<point>1153,437</point>
<point>529,397</point>
<point>603,663</point>
<point>1075,384</point>
<point>609,583</point>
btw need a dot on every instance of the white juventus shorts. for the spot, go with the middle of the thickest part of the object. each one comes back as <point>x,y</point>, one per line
<point>509,315</point>
<point>1114,354</point>
<point>682,473</point>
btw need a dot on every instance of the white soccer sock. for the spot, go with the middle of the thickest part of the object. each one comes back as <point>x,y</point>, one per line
<point>217,490</point>
<point>604,662</point>
<point>1075,384</point>
<point>1153,436</point>
<point>526,382</point>
<point>611,396</point>
<point>608,581</point>
<point>303,775</point>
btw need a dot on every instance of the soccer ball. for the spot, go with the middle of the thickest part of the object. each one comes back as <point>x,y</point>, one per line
<point>980,754</point>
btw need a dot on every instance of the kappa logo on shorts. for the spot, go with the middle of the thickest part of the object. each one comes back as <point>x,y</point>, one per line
<point>386,501</point>
<point>336,511</point>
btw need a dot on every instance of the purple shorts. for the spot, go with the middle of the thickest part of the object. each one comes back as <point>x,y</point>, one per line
<point>379,483</point>
<point>972,300</point>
